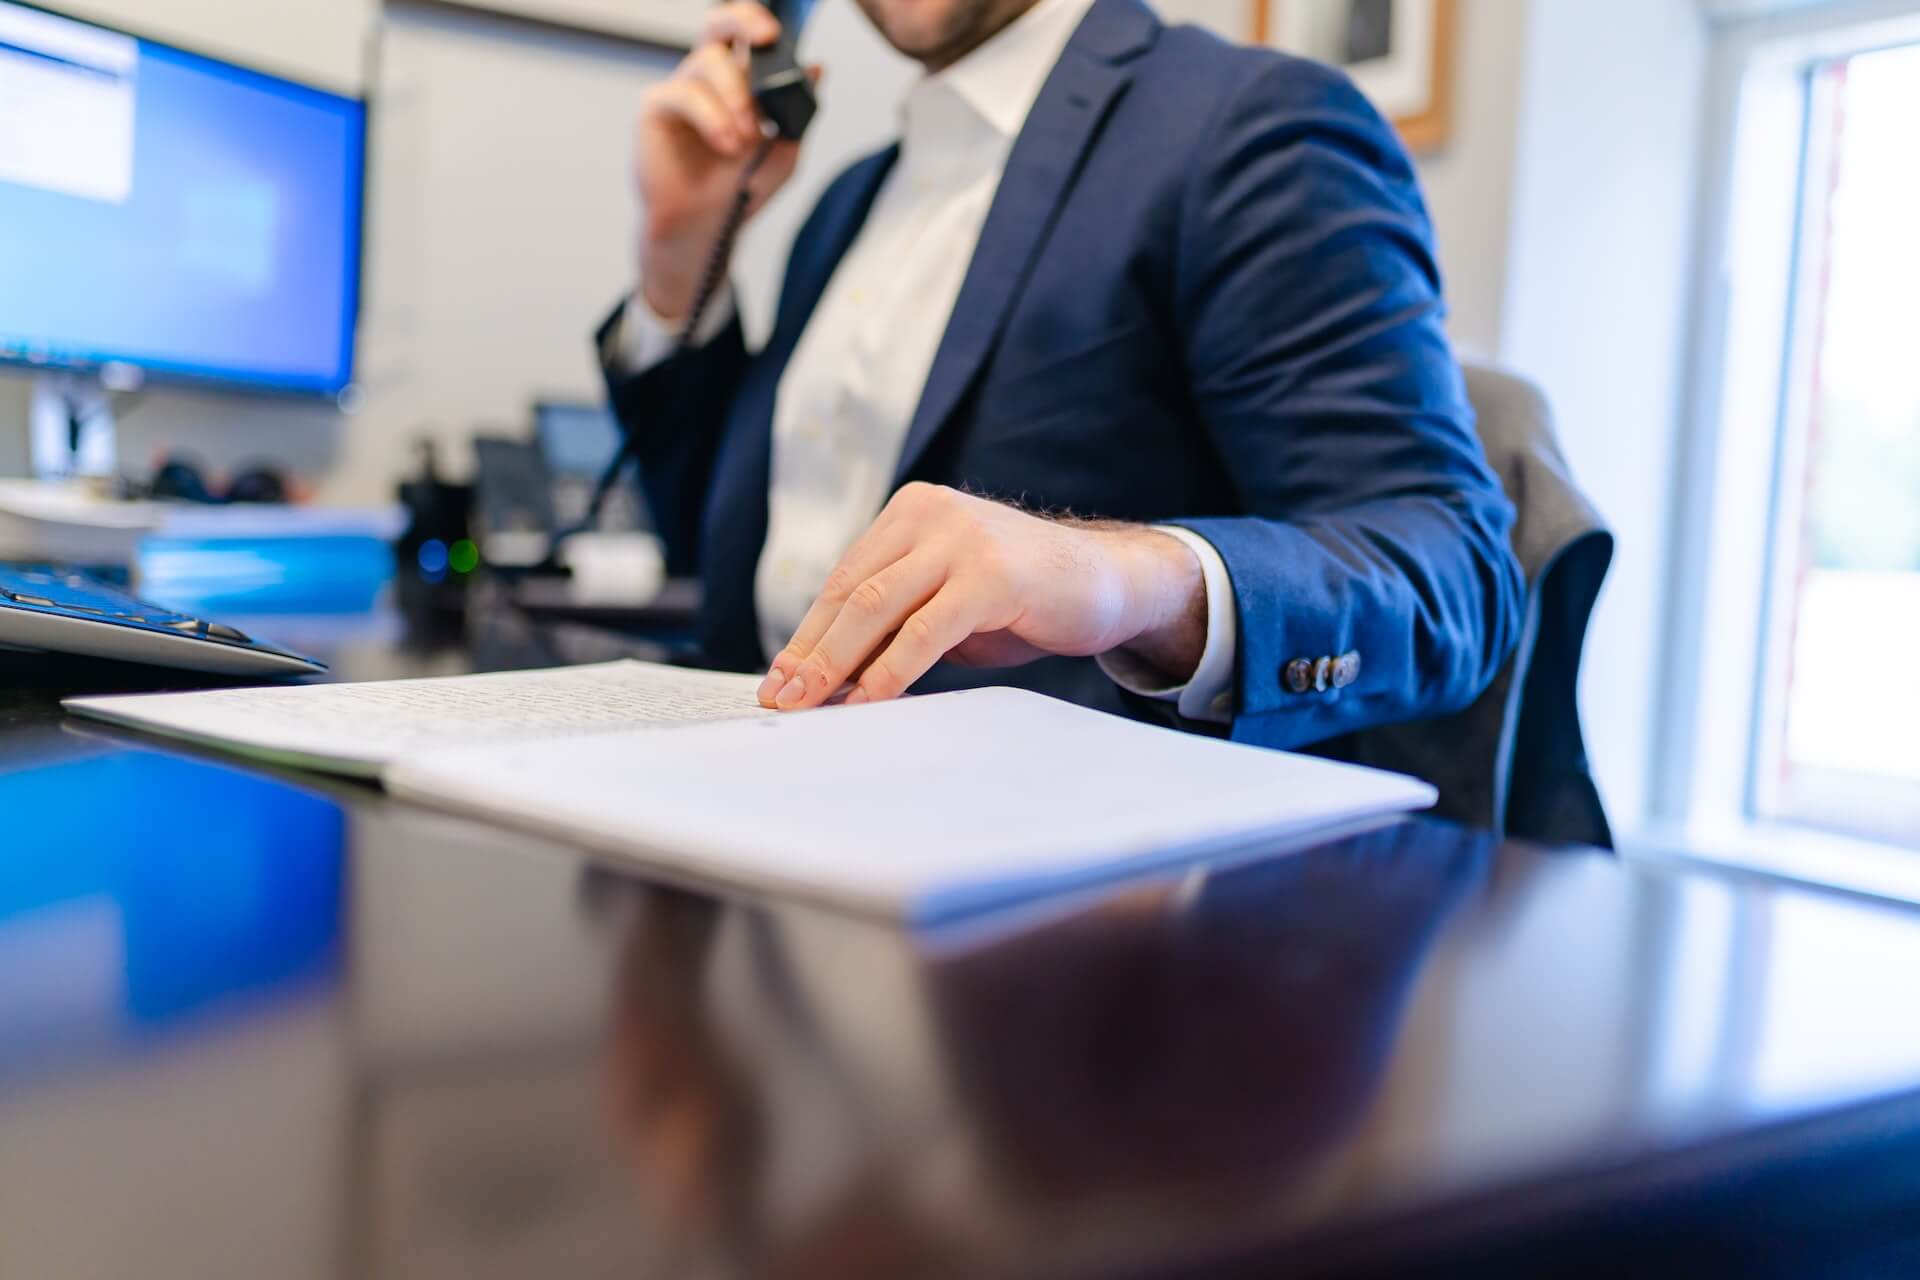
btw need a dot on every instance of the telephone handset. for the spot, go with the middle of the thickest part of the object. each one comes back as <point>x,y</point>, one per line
<point>780,84</point>
<point>784,91</point>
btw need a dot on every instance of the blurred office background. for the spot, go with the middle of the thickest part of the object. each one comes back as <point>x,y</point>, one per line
<point>1691,221</point>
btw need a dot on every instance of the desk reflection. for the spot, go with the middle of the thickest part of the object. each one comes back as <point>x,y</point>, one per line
<point>351,1037</point>
<point>1153,1068</point>
<point>126,915</point>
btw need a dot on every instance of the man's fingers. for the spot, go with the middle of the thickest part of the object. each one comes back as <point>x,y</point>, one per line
<point>715,66</point>
<point>752,23</point>
<point>875,609</point>
<point>910,518</point>
<point>938,627</point>
<point>692,102</point>
<point>874,550</point>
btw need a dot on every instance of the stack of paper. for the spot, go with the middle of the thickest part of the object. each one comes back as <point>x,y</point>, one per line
<point>923,808</point>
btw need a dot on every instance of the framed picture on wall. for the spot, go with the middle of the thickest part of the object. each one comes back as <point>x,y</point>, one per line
<point>1400,52</point>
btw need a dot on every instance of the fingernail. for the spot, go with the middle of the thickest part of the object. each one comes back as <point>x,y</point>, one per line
<point>792,695</point>
<point>855,698</point>
<point>776,678</point>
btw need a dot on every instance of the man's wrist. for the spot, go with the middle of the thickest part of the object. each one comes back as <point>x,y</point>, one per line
<point>670,263</point>
<point>668,301</point>
<point>1168,601</point>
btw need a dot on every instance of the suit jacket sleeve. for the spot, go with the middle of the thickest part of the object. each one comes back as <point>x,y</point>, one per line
<point>1308,304</point>
<point>673,412</point>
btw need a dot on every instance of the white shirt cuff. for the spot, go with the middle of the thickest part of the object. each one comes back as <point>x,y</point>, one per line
<point>643,339</point>
<point>1208,695</point>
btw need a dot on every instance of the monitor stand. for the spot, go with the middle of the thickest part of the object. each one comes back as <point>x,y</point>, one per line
<point>71,427</point>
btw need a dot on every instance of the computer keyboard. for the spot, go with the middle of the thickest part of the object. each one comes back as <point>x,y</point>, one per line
<point>59,610</point>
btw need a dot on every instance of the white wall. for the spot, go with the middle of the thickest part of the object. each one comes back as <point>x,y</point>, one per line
<point>499,234</point>
<point>324,41</point>
<point>1469,182</point>
<point>665,20</point>
<point>1605,178</point>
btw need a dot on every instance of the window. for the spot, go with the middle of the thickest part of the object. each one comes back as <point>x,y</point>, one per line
<point>1837,741</point>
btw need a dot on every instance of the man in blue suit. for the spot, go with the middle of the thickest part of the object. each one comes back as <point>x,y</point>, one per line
<point>1121,377</point>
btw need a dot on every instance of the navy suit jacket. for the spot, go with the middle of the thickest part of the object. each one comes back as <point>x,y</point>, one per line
<point>1205,295</point>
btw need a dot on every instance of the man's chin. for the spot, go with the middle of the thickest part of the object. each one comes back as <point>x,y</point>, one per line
<point>915,38</point>
<point>923,30</point>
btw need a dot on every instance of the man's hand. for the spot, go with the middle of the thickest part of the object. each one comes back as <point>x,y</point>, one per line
<point>698,129</point>
<point>943,574</point>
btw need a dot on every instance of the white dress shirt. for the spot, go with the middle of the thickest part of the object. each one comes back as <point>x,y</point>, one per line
<point>847,396</point>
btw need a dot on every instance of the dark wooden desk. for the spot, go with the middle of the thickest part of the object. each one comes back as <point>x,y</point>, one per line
<point>260,1024</point>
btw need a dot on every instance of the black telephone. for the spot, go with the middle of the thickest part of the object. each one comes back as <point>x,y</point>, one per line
<point>780,84</point>
<point>784,91</point>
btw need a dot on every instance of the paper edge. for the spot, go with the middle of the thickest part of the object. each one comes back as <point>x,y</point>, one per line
<point>344,766</point>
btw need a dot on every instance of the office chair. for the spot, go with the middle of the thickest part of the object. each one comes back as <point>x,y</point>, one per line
<point>1515,761</point>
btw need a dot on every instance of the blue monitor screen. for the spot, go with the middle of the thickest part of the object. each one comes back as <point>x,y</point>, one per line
<point>171,212</point>
<point>579,440</point>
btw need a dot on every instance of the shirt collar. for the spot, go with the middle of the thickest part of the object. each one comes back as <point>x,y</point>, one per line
<point>1002,79</point>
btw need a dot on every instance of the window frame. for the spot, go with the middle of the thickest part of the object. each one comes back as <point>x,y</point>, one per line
<point>1738,492</point>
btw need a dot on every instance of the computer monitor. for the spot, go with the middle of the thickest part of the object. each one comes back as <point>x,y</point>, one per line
<point>578,439</point>
<point>165,214</point>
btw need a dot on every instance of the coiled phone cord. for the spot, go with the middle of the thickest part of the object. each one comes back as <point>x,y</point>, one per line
<point>710,280</point>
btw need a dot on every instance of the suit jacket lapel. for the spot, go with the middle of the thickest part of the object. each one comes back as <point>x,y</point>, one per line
<point>1045,160</point>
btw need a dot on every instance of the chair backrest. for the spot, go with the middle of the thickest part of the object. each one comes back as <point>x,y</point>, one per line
<point>1515,760</point>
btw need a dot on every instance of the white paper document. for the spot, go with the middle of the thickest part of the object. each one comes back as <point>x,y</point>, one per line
<point>360,728</point>
<point>927,808</point>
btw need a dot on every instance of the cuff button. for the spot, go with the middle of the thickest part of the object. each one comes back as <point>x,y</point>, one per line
<point>1323,675</point>
<point>1297,675</point>
<point>1346,669</point>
